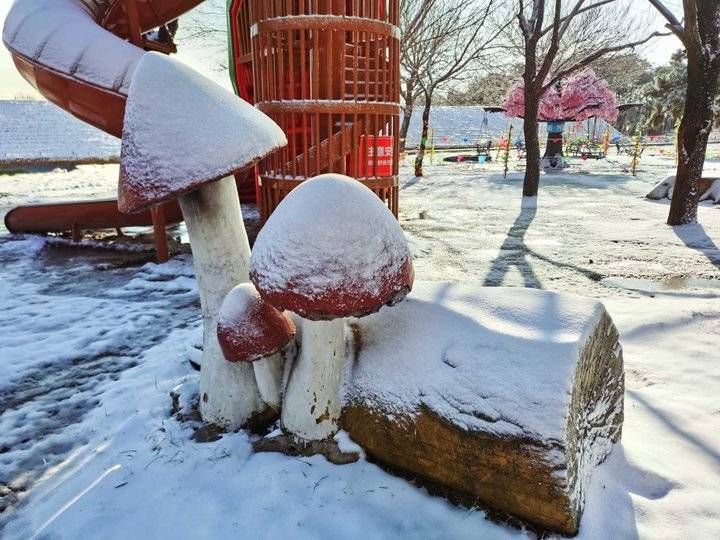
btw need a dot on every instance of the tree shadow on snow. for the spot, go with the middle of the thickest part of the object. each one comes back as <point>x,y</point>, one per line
<point>513,252</point>
<point>411,181</point>
<point>695,237</point>
<point>674,426</point>
<point>590,274</point>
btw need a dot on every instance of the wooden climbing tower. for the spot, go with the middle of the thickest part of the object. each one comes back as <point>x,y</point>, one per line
<point>327,71</point>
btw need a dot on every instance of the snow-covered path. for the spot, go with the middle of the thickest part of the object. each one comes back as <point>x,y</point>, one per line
<point>91,347</point>
<point>72,320</point>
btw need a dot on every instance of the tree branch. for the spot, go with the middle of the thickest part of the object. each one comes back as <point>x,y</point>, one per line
<point>673,24</point>
<point>583,10</point>
<point>586,61</point>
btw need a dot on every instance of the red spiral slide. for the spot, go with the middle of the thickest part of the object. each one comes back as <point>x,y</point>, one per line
<point>80,55</point>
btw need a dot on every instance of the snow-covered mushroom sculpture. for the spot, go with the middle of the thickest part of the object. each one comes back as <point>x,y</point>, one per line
<point>330,250</point>
<point>184,136</point>
<point>251,330</point>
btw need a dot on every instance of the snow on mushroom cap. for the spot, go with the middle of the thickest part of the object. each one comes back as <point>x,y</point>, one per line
<point>249,328</point>
<point>331,249</point>
<point>182,130</point>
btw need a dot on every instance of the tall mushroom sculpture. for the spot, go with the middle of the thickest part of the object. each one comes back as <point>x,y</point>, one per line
<point>330,250</point>
<point>183,136</point>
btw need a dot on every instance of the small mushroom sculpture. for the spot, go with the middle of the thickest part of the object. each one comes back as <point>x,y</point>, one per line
<point>251,330</point>
<point>330,250</point>
<point>184,137</point>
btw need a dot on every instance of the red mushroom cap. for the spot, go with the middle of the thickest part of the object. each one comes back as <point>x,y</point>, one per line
<point>331,249</point>
<point>182,131</point>
<point>249,328</point>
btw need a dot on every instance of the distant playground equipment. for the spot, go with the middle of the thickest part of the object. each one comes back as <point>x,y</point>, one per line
<point>327,73</point>
<point>579,97</point>
<point>584,148</point>
<point>481,155</point>
<point>486,142</point>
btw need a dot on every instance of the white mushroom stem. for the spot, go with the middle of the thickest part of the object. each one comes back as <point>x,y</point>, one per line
<point>229,395</point>
<point>268,374</point>
<point>311,404</point>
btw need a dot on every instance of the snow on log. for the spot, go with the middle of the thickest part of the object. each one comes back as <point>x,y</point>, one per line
<point>663,190</point>
<point>709,189</point>
<point>504,397</point>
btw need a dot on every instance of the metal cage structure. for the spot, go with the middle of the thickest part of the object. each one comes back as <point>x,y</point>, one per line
<point>327,71</point>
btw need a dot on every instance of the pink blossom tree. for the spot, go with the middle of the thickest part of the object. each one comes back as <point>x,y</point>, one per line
<point>579,97</point>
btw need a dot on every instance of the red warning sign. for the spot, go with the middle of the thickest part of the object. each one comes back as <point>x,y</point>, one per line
<point>377,154</point>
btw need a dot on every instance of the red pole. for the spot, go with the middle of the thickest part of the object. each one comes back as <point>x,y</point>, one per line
<point>161,244</point>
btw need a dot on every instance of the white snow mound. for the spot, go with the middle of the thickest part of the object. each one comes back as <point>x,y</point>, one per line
<point>713,193</point>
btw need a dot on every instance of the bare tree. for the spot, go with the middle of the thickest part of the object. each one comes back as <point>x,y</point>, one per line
<point>700,34</point>
<point>206,29</point>
<point>558,41</point>
<point>414,16</point>
<point>455,35</point>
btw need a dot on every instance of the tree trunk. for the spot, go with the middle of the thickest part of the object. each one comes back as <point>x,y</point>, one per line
<point>702,85</point>
<point>407,115</point>
<point>229,395</point>
<point>532,144</point>
<point>424,136</point>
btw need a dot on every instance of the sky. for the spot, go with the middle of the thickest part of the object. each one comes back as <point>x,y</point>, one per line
<point>198,56</point>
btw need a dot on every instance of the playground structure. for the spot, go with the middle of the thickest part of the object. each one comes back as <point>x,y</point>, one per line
<point>327,72</point>
<point>97,214</point>
<point>102,42</point>
<point>334,64</point>
<point>327,75</point>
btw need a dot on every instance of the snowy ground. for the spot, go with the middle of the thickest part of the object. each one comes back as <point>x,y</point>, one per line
<point>83,182</point>
<point>41,131</point>
<point>91,346</point>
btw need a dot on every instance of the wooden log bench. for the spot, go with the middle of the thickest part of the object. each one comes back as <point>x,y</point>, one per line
<point>502,398</point>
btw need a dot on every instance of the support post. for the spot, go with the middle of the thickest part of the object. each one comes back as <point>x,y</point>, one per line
<point>161,244</point>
